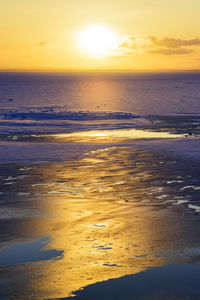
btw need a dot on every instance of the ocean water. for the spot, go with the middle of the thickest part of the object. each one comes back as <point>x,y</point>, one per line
<point>64,102</point>
<point>99,180</point>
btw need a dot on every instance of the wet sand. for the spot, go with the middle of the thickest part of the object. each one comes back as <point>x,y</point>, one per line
<point>110,213</point>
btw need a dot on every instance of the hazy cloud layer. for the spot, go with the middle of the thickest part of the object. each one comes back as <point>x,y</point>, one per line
<point>168,51</point>
<point>41,43</point>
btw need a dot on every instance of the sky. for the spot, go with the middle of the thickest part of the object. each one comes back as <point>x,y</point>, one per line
<point>52,35</point>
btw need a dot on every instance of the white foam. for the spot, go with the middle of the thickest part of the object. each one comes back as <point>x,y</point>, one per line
<point>190,187</point>
<point>178,202</point>
<point>174,181</point>
<point>195,207</point>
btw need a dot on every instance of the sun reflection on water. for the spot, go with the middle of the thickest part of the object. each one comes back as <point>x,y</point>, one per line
<point>106,136</point>
<point>105,212</point>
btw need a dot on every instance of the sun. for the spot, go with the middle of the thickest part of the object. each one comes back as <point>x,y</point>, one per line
<point>98,40</point>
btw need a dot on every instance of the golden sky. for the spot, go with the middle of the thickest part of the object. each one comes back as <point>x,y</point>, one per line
<point>149,34</point>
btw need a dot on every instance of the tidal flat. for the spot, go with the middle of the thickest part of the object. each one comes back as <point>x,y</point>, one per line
<point>114,212</point>
<point>99,185</point>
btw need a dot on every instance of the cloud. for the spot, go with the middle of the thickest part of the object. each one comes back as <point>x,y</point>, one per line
<point>173,43</point>
<point>41,44</point>
<point>137,45</point>
<point>169,51</point>
<point>127,42</point>
<point>129,46</point>
<point>124,45</point>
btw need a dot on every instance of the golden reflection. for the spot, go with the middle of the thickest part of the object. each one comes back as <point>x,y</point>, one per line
<point>105,213</point>
<point>100,93</point>
<point>106,136</point>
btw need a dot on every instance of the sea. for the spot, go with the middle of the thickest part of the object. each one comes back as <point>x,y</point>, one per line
<point>99,185</point>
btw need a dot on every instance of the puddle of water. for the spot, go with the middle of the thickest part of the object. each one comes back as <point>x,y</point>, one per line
<point>28,252</point>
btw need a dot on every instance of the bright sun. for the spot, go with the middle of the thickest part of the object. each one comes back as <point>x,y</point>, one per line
<point>98,40</point>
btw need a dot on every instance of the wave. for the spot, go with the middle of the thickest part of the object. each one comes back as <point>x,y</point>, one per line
<point>58,119</point>
<point>55,119</point>
<point>59,113</point>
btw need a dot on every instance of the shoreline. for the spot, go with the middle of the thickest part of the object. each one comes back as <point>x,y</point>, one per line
<point>116,200</point>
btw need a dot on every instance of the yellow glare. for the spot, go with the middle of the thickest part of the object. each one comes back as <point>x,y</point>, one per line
<point>98,40</point>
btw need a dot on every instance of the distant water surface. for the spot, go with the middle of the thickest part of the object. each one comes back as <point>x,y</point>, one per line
<point>140,93</point>
<point>56,102</point>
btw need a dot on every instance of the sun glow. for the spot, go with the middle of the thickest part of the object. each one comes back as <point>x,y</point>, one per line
<point>98,40</point>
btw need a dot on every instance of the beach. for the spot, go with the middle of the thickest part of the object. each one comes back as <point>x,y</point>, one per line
<point>100,201</point>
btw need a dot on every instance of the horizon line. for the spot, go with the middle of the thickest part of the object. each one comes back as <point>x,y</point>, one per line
<point>94,70</point>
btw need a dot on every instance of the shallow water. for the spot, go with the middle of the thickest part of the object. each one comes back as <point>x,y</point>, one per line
<point>114,212</point>
<point>160,283</point>
<point>102,185</point>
